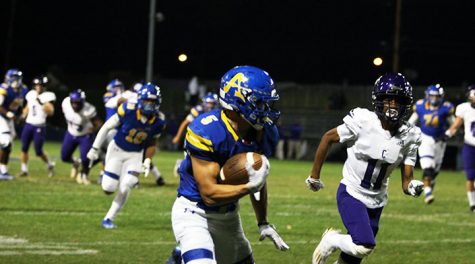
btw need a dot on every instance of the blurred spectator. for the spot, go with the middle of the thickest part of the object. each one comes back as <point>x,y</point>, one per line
<point>294,142</point>
<point>279,150</point>
<point>171,130</point>
<point>192,94</point>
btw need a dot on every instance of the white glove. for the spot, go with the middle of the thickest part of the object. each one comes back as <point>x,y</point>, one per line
<point>93,154</point>
<point>257,179</point>
<point>314,184</point>
<point>270,232</point>
<point>415,188</point>
<point>10,115</point>
<point>146,166</point>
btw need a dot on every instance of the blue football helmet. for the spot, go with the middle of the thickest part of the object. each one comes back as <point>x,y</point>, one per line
<point>14,78</point>
<point>209,101</point>
<point>251,92</point>
<point>392,86</point>
<point>115,86</point>
<point>435,94</point>
<point>149,99</point>
<point>137,86</point>
<point>77,99</point>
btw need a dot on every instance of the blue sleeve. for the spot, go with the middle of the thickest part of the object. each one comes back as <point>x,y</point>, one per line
<point>270,140</point>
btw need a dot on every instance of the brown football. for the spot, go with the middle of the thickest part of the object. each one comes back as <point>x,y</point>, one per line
<point>234,170</point>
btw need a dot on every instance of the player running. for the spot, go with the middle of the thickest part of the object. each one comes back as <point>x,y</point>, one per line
<point>465,114</point>
<point>434,115</point>
<point>12,94</point>
<point>39,106</point>
<point>138,128</point>
<point>205,215</point>
<point>377,142</point>
<point>83,123</point>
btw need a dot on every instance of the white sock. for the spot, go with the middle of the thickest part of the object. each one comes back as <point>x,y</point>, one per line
<point>471,198</point>
<point>24,167</point>
<point>427,189</point>
<point>117,204</point>
<point>156,173</point>
<point>3,169</point>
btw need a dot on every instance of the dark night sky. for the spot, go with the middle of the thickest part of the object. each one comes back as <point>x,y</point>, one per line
<point>301,41</point>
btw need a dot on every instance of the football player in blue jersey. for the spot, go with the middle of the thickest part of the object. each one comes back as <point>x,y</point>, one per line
<point>114,90</point>
<point>434,116</point>
<point>205,215</point>
<point>138,127</point>
<point>12,95</point>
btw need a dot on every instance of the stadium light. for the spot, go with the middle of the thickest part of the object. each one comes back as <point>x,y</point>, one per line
<point>182,57</point>
<point>377,61</point>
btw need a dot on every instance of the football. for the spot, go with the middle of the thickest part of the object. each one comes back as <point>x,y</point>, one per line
<point>234,170</point>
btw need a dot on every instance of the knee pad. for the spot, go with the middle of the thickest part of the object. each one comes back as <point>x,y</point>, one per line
<point>128,182</point>
<point>429,173</point>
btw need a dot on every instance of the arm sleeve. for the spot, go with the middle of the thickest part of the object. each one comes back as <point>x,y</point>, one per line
<point>351,126</point>
<point>411,152</point>
<point>110,124</point>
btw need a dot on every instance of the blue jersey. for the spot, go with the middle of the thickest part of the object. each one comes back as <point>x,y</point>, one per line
<point>13,100</point>
<point>433,122</point>
<point>132,134</point>
<point>110,104</point>
<point>210,137</point>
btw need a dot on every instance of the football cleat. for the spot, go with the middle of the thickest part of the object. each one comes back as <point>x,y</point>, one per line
<point>6,177</point>
<point>75,168</point>
<point>472,208</point>
<point>324,249</point>
<point>51,169</point>
<point>24,174</point>
<point>160,181</point>
<point>429,198</point>
<point>107,224</point>
<point>85,179</point>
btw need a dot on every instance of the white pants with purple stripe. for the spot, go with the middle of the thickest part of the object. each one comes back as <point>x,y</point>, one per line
<point>431,153</point>
<point>208,237</point>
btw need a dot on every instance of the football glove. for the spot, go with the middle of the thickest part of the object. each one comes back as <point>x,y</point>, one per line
<point>257,178</point>
<point>314,184</point>
<point>415,188</point>
<point>269,231</point>
<point>10,115</point>
<point>146,166</point>
<point>93,154</point>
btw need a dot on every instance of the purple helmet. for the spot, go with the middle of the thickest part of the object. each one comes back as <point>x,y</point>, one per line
<point>77,98</point>
<point>392,86</point>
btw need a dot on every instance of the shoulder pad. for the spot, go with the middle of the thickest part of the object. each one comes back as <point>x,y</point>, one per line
<point>420,101</point>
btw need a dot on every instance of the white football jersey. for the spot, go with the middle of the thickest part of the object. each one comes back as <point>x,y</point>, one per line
<point>79,124</point>
<point>373,153</point>
<point>467,112</point>
<point>130,96</point>
<point>36,114</point>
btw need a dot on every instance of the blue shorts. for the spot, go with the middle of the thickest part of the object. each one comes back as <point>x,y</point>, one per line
<point>362,223</point>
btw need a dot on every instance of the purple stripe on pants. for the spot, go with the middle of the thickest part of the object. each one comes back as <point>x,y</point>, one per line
<point>362,223</point>
<point>468,155</point>
<point>33,133</point>
<point>70,143</point>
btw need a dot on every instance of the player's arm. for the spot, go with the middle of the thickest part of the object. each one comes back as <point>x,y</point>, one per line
<point>407,175</point>
<point>96,124</point>
<point>101,136</point>
<point>413,119</point>
<point>330,137</point>
<point>259,204</point>
<point>24,112</point>
<point>206,173</point>
<point>182,127</point>
<point>454,127</point>
<point>3,110</point>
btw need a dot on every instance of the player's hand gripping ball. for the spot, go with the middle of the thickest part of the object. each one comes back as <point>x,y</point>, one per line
<point>234,171</point>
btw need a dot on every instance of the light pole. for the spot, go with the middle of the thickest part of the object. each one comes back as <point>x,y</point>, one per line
<point>397,33</point>
<point>151,41</point>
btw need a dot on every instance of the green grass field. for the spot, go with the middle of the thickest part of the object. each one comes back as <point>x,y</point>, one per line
<point>55,220</point>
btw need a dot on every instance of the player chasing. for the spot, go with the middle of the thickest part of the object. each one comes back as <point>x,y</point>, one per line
<point>377,142</point>
<point>83,123</point>
<point>138,128</point>
<point>12,93</point>
<point>465,114</point>
<point>205,215</point>
<point>434,115</point>
<point>208,103</point>
<point>39,106</point>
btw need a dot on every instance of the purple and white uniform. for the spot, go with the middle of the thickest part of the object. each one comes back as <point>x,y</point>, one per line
<point>467,112</point>
<point>80,131</point>
<point>372,155</point>
<point>35,123</point>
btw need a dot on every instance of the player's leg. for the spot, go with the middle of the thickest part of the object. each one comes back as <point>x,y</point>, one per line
<point>231,245</point>
<point>468,155</point>
<point>39,141</point>
<point>130,169</point>
<point>68,147</point>
<point>427,161</point>
<point>360,241</point>
<point>26,137</point>
<point>85,144</point>
<point>5,148</point>
<point>191,231</point>
<point>157,175</point>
